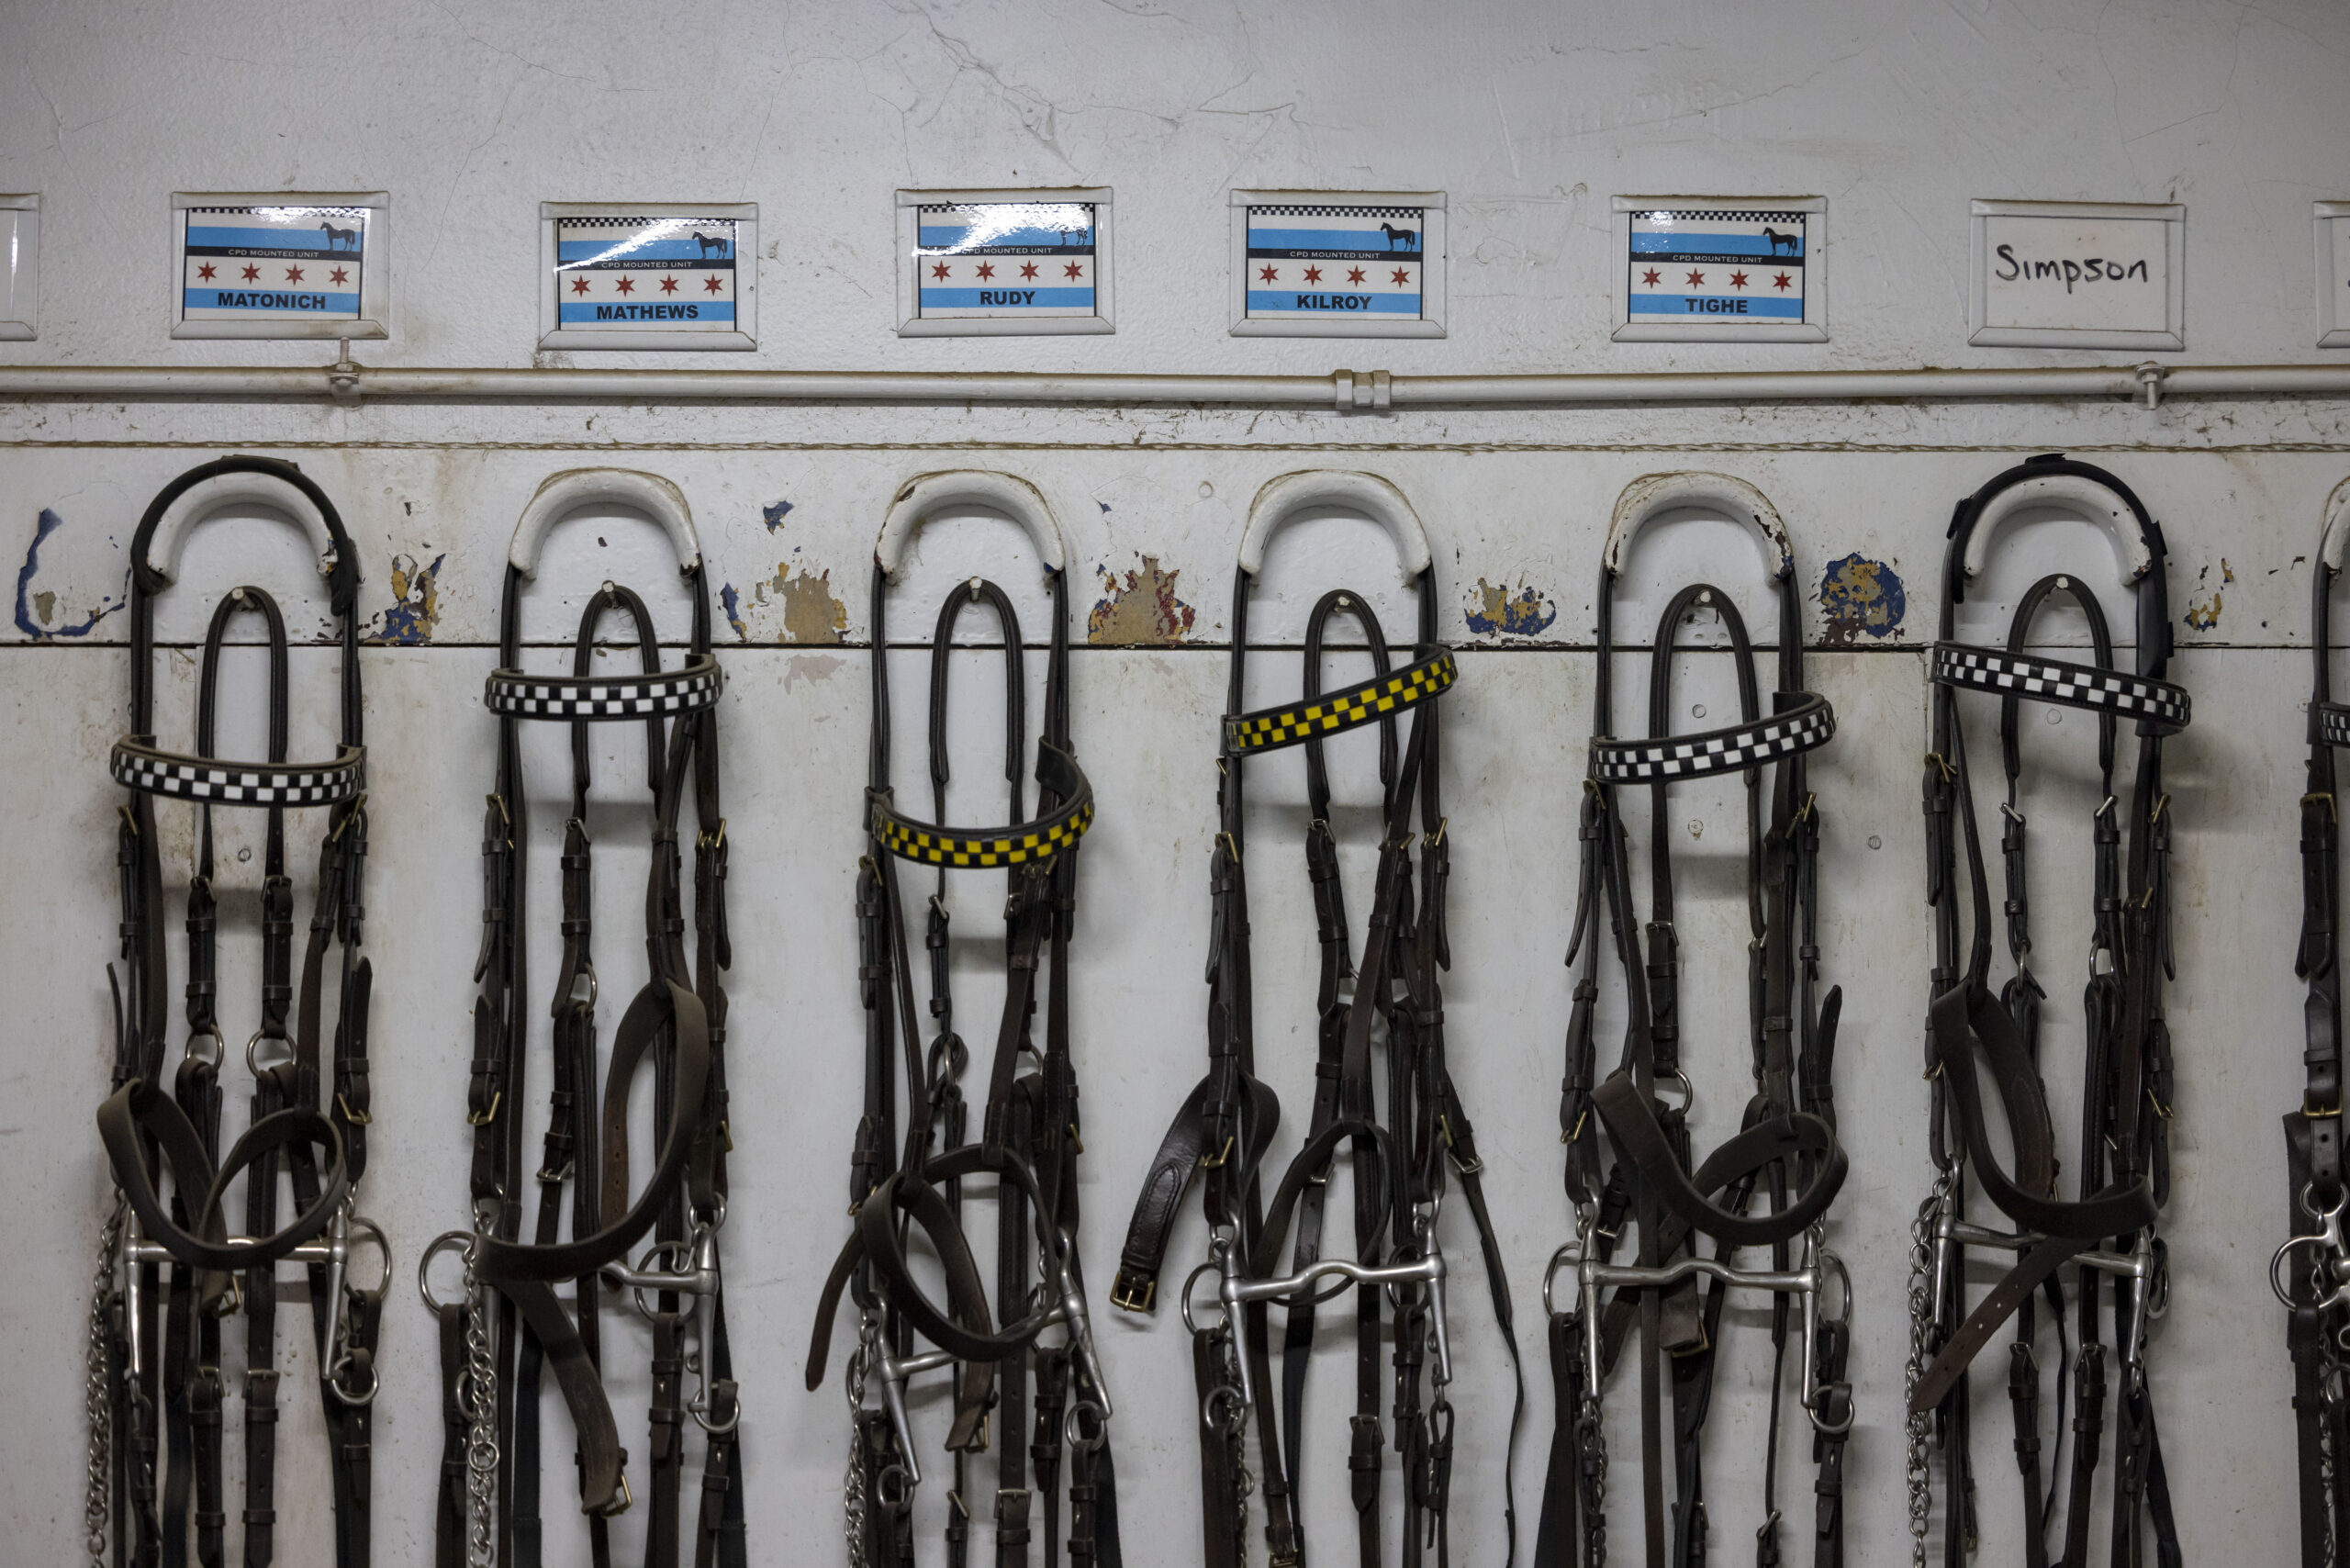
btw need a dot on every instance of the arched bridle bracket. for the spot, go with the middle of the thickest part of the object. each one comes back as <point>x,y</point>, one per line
<point>929,496</point>
<point>2333,718</point>
<point>2136,542</point>
<point>560,496</point>
<point>255,484</point>
<point>1653,496</point>
<point>1808,1282</point>
<point>1068,1310</point>
<point>1235,1289</point>
<point>1282,500</point>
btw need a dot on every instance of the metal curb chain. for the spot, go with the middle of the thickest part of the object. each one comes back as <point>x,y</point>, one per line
<point>1921,1326</point>
<point>853,1482</point>
<point>478,1398</point>
<point>98,1405</point>
<point>1591,1435</point>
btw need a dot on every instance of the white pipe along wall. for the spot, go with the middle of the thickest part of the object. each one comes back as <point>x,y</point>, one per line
<point>1511,438</point>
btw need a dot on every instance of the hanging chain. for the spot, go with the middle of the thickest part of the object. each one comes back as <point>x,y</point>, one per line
<point>98,1397</point>
<point>478,1398</point>
<point>853,1484</point>
<point>1591,1447</point>
<point>2330,1394</point>
<point>1921,1329</point>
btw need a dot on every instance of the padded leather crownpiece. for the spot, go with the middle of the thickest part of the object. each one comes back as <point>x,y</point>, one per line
<point>926,494</point>
<point>1651,496</point>
<point>2068,492</point>
<point>630,489</point>
<point>221,491</point>
<point>1343,489</point>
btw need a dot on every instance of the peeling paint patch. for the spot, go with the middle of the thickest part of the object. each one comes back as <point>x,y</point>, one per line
<point>1142,611</point>
<point>415,610</point>
<point>1860,598</point>
<point>811,667</point>
<point>2204,615</point>
<point>773,516</point>
<point>1498,612</point>
<point>812,614</point>
<point>36,609</point>
<point>733,603</point>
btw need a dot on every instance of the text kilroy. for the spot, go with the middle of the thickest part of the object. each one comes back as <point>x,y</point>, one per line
<point>2068,270</point>
<point>1334,302</point>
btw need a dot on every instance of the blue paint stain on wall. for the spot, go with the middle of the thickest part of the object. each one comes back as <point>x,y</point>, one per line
<point>408,620</point>
<point>733,602</point>
<point>29,601</point>
<point>1498,612</point>
<point>1860,598</point>
<point>773,516</point>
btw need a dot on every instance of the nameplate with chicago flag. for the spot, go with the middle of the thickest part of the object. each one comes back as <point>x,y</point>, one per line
<point>1337,263</point>
<point>280,264</point>
<point>674,275</point>
<point>1721,269</point>
<point>1003,263</point>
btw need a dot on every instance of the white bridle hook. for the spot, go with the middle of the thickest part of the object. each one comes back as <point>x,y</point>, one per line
<point>2338,513</point>
<point>2074,493</point>
<point>1651,496</point>
<point>629,490</point>
<point>929,495</point>
<point>206,498</point>
<point>1339,490</point>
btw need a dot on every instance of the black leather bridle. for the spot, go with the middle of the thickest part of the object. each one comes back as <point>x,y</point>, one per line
<point>175,1272</point>
<point>1398,1156</point>
<point>509,1327</point>
<point>2122,1176</point>
<point>1786,1147</point>
<point>2310,1272</point>
<point>1051,1395</point>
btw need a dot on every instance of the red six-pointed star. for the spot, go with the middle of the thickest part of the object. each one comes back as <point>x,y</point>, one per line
<point>987,271</point>
<point>1314,274</point>
<point>1354,275</point>
<point>1696,279</point>
<point>626,285</point>
<point>252,272</point>
<point>712,285</point>
<point>340,275</point>
<point>1782,280</point>
<point>1401,277</point>
<point>579,286</point>
<point>1027,269</point>
<point>205,271</point>
<point>668,286</point>
<point>1267,273</point>
<point>939,271</point>
<point>1649,277</point>
<point>1738,280</point>
<point>1073,270</point>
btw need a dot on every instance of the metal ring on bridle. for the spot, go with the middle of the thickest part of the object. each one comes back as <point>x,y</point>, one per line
<point>447,1241</point>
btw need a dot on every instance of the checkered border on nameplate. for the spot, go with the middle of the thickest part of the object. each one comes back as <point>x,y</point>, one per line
<point>2005,674</point>
<point>1270,729</point>
<point>2333,723</point>
<point>137,764</point>
<point>590,698</point>
<point>1806,726</point>
<point>980,847</point>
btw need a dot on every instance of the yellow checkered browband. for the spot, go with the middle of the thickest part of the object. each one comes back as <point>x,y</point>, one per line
<point>1018,844</point>
<point>1270,729</point>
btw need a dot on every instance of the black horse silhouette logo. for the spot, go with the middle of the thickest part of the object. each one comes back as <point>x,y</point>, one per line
<point>711,244</point>
<point>1793,243</point>
<point>1410,236</point>
<point>350,237</point>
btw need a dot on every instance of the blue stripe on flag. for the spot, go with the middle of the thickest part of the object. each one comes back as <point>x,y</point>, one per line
<point>1720,245</point>
<point>651,251</point>
<point>1286,302</point>
<point>274,239</point>
<point>956,236</point>
<point>1326,239</point>
<point>706,311</point>
<point>314,303</point>
<point>1032,299</point>
<point>1675,306</point>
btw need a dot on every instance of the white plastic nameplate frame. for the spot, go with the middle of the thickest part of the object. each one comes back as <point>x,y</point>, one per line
<point>649,275</point>
<point>19,268</point>
<point>1337,263</point>
<point>2332,221</point>
<point>1720,269</point>
<point>280,264</point>
<point>2077,275</point>
<point>1004,264</point>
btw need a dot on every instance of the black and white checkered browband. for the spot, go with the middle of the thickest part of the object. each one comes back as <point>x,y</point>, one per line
<point>1810,723</point>
<point>137,764</point>
<point>690,690</point>
<point>2005,674</point>
<point>2333,723</point>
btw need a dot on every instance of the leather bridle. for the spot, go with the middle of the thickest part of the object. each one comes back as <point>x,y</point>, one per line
<point>509,1327</point>
<point>1028,1142</point>
<point>2310,1272</point>
<point>174,1271</point>
<point>2122,1176</point>
<point>1397,1156</point>
<point>1786,1146</point>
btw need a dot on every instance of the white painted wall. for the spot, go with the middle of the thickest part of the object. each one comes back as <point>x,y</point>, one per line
<point>1530,117</point>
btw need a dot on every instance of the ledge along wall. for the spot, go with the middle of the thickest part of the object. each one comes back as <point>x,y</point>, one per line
<point>1530,121</point>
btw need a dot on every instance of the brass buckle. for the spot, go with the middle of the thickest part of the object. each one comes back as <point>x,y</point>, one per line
<point>361,1118</point>
<point>613,1511</point>
<point>1222,1156</point>
<point>486,1117</point>
<point>1128,1301</point>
